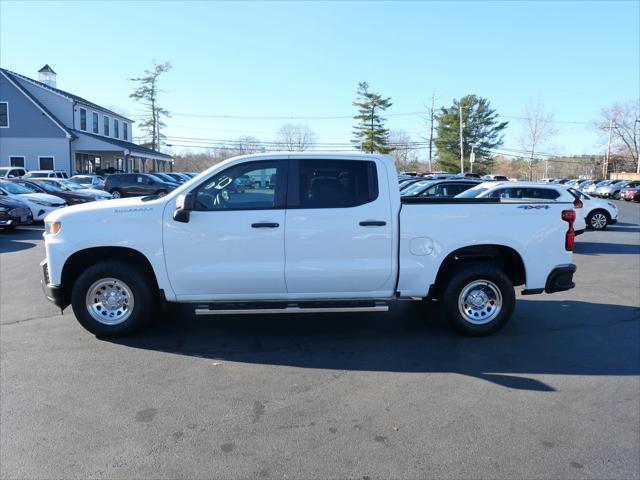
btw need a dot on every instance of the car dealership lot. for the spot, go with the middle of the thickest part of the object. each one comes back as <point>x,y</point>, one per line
<point>554,394</point>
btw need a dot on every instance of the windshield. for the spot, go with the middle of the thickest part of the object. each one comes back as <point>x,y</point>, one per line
<point>38,174</point>
<point>71,185</point>
<point>3,171</point>
<point>472,192</point>
<point>416,188</point>
<point>156,178</point>
<point>82,180</point>
<point>49,187</point>
<point>603,183</point>
<point>14,188</point>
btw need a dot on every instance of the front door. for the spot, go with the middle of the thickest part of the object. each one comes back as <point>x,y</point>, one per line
<point>339,236</point>
<point>233,245</point>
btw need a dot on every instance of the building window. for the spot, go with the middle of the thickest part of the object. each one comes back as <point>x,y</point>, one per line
<point>105,125</point>
<point>46,163</point>
<point>16,161</point>
<point>125,130</point>
<point>4,114</point>
<point>95,122</point>
<point>83,119</point>
<point>116,132</point>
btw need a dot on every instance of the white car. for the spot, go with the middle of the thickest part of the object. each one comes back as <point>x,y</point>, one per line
<point>40,204</point>
<point>597,213</point>
<point>73,186</point>
<point>544,192</point>
<point>319,232</point>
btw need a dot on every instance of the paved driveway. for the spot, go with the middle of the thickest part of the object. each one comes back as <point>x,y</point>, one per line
<point>556,394</point>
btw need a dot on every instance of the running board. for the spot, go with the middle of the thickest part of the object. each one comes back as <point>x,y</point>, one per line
<point>295,308</point>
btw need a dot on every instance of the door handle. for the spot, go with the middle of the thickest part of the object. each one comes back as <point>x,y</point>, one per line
<point>265,225</point>
<point>373,223</point>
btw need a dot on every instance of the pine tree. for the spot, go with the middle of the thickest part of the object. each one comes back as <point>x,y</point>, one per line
<point>480,128</point>
<point>370,134</point>
<point>147,93</point>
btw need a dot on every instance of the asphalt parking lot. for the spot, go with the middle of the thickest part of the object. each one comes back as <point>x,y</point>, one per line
<point>556,394</point>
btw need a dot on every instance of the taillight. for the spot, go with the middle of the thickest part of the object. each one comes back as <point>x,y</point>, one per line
<point>569,216</point>
<point>577,203</point>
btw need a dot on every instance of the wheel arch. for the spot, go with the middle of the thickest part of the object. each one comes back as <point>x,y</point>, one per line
<point>81,259</point>
<point>506,258</point>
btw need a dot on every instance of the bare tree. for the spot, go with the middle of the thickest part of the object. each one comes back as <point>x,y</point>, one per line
<point>537,130</point>
<point>247,144</point>
<point>294,137</point>
<point>624,119</point>
<point>403,149</point>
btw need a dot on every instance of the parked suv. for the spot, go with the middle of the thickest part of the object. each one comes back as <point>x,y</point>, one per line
<point>136,185</point>
<point>12,172</point>
<point>46,174</point>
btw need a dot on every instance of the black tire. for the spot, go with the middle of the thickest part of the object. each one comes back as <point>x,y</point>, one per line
<point>465,276</point>
<point>594,220</point>
<point>115,193</point>
<point>145,298</point>
<point>616,195</point>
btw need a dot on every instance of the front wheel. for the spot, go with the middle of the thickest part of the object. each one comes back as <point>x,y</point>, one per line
<point>478,299</point>
<point>598,220</point>
<point>112,299</point>
<point>115,194</point>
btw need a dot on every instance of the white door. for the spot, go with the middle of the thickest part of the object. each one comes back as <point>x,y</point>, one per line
<point>232,247</point>
<point>339,229</point>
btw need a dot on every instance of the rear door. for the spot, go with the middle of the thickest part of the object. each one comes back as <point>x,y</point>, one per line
<point>338,228</point>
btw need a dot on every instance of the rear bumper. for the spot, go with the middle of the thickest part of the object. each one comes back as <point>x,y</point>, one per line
<point>54,293</point>
<point>560,279</point>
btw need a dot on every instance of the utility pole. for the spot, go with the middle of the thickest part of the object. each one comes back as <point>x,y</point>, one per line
<point>431,115</point>
<point>605,167</point>
<point>461,143</point>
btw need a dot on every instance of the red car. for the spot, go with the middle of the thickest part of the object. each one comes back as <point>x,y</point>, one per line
<point>630,194</point>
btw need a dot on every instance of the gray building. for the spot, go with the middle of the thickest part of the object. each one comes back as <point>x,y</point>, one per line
<point>45,128</point>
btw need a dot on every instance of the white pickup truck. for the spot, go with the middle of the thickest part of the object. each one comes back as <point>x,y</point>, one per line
<point>307,232</point>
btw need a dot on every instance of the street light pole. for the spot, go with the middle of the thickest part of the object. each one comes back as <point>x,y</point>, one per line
<point>461,143</point>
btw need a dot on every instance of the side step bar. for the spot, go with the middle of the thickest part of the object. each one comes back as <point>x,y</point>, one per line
<point>293,308</point>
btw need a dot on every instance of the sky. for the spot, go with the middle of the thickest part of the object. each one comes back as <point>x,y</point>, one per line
<point>271,63</point>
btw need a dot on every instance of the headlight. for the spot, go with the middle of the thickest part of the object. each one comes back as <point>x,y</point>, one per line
<point>52,228</point>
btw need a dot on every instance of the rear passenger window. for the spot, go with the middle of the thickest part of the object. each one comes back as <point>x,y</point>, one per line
<point>337,183</point>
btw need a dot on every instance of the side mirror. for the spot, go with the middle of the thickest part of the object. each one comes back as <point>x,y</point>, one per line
<point>184,205</point>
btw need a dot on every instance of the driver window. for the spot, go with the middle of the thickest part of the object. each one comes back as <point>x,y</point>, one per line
<point>248,186</point>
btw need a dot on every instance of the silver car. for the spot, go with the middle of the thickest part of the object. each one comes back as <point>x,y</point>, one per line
<point>612,189</point>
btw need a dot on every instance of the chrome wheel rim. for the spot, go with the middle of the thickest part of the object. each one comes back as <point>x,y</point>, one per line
<point>598,221</point>
<point>115,194</point>
<point>109,301</point>
<point>480,302</point>
<point>162,194</point>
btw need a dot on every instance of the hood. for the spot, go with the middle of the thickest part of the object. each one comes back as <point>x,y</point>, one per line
<point>40,197</point>
<point>94,209</point>
<point>92,192</point>
<point>12,202</point>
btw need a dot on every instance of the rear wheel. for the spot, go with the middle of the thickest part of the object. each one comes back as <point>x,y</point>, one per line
<point>112,299</point>
<point>478,299</point>
<point>115,193</point>
<point>598,220</point>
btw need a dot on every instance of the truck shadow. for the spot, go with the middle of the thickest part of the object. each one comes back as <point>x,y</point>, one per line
<point>543,338</point>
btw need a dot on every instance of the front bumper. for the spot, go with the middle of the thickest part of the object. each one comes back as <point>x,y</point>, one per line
<point>560,279</point>
<point>54,293</point>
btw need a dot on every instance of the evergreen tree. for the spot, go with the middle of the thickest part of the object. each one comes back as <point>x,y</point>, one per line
<point>147,93</point>
<point>370,134</point>
<point>480,127</point>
